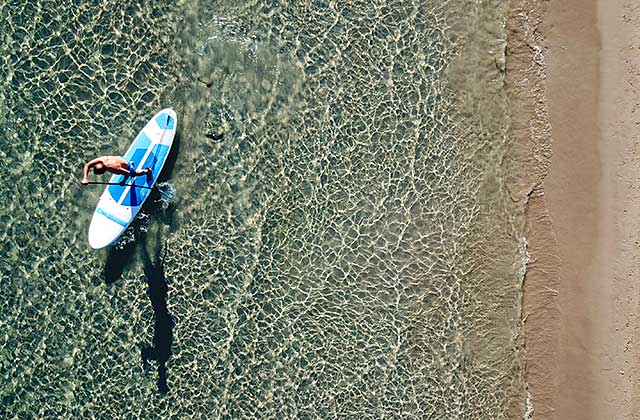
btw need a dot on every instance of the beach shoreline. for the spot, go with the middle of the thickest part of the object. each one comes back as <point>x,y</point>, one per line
<point>530,156</point>
<point>593,207</point>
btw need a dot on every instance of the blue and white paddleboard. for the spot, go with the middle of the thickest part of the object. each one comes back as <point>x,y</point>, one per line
<point>119,204</point>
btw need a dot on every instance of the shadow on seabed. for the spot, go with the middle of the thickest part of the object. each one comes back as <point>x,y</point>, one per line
<point>160,350</point>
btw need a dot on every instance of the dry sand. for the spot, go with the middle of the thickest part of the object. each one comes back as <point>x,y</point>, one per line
<point>592,194</point>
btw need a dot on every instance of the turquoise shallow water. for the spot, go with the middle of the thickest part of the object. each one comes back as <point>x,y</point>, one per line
<point>347,249</point>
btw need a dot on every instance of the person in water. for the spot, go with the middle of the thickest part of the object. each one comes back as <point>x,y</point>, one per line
<point>115,165</point>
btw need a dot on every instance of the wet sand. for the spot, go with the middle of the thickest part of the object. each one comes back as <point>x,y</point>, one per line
<point>593,197</point>
<point>530,133</point>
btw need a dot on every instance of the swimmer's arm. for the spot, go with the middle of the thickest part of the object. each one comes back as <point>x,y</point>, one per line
<point>88,166</point>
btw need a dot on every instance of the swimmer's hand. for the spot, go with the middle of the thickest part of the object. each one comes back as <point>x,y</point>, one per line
<point>84,181</point>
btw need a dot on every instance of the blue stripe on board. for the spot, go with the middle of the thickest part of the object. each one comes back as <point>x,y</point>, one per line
<point>141,142</point>
<point>162,121</point>
<point>135,153</point>
<point>112,217</point>
<point>116,191</point>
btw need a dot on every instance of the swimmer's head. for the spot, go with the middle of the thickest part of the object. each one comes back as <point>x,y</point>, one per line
<point>99,169</point>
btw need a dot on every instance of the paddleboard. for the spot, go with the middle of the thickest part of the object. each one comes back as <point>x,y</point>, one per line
<point>119,204</point>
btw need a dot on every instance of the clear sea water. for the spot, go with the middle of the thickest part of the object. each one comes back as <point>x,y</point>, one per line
<point>347,249</point>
